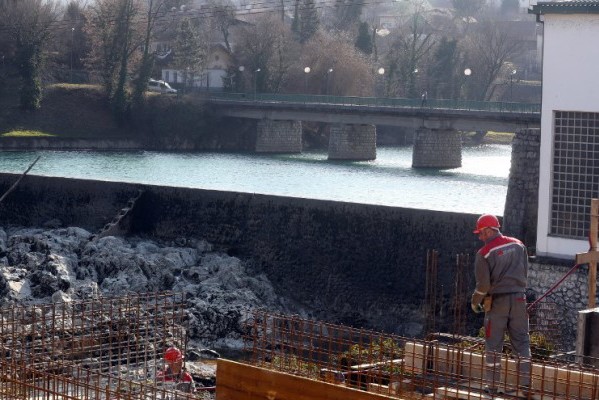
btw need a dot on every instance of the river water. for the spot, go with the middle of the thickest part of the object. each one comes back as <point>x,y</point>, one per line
<point>479,186</point>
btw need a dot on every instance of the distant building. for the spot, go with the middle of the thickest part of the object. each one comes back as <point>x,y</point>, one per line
<point>219,58</point>
<point>569,163</point>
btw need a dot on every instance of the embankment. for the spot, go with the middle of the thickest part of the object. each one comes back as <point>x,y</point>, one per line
<point>351,263</point>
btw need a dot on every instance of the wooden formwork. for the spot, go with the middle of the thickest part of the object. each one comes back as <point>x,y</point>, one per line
<point>237,381</point>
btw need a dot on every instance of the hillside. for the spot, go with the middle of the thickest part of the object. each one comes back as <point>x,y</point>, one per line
<point>78,111</point>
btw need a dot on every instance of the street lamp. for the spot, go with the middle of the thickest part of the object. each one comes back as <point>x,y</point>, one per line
<point>72,49</point>
<point>467,73</point>
<point>256,81</point>
<point>239,78</point>
<point>512,73</point>
<point>382,32</point>
<point>381,72</point>
<point>306,72</point>
<point>329,71</point>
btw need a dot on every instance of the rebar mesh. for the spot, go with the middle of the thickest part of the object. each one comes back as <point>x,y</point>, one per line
<point>402,367</point>
<point>104,348</point>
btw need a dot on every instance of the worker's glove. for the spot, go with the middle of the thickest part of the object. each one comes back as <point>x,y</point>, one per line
<point>477,308</point>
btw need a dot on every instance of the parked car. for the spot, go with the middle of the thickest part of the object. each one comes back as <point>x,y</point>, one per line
<point>160,87</point>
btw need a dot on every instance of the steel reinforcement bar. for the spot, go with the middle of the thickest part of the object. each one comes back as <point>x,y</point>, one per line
<point>445,367</point>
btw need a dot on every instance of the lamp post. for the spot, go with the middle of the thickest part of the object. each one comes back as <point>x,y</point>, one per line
<point>240,75</point>
<point>256,82</point>
<point>512,73</point>
<point>306,72</point>
<point>381,72</point>
<point>72,50</point>
<point>467,73</point>
<point>326,90</point>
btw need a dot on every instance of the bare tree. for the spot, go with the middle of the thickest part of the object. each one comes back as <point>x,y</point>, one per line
<point>28,22</point>
<point>267,45</point>
<point>337,67</point>
<point>155,9</point>
<point>406,60</point>
<point>223,16</point>
<point>489,48</point>
<point>117,31</point>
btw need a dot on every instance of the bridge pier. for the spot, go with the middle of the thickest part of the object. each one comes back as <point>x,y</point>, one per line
<point>352,142</point>
<point>275,136</point>
<point>437,148</point>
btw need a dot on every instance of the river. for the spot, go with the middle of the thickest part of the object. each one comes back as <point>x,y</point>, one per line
<point>479,186</point>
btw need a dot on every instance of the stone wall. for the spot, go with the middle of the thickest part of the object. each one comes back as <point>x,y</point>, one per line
<point>437,148</point>
<point>352,142</point>
<point>363,264</point>
<point>350,263</point>
<point>520,213</point>
<point>559,310</point>
<point>34,143</point>
<point>278,136</point>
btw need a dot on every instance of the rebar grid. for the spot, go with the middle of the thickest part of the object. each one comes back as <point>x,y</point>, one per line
<point>20,381</point>
<point>105,348</point>
<point>402,367</point>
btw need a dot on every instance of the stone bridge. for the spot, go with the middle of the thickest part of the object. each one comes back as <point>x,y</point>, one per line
<point>437,124</point>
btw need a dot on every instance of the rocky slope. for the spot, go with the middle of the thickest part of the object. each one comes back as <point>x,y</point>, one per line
<point>52,264</point>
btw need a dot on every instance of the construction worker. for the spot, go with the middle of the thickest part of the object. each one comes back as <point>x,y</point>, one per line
<point>501,271</point>
<point>174,371</point>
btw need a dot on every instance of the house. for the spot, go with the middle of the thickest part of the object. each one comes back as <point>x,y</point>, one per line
<point>219,59</point>
<point>569,153</point>
<point>218,62</point>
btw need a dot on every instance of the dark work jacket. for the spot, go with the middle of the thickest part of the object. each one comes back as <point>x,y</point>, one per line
<point>501,266</point>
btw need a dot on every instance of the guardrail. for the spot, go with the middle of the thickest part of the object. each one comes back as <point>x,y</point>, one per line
<point>448,104</point>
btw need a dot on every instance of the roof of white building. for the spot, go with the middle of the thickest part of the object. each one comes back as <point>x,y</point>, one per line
<point>566,7</point>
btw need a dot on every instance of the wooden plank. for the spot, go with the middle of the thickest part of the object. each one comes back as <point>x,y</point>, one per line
<point>236,381</point>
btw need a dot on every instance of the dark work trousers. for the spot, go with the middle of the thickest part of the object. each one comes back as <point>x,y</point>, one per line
<point>508,312</point>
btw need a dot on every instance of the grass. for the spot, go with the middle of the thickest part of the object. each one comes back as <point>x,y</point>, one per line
<point>27,133</point>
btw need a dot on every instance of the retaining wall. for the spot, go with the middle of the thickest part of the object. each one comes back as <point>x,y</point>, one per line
<point>350,263</point>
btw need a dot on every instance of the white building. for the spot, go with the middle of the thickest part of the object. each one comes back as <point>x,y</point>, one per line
<point>569,162</point>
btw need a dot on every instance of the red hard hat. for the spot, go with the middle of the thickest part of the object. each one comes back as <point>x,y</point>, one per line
<point>486,221</point>
<point>173,354</point>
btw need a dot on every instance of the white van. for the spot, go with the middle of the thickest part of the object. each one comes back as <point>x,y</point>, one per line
<point>160,87</point>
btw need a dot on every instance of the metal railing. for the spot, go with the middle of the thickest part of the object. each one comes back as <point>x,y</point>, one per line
<point>445,104</point>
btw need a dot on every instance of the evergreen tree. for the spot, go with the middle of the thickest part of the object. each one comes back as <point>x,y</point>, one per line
<point>308,20</point>
<point>364,39</point>
<point>28,24</point>
<point>443,73</point>
<point>190,50</point>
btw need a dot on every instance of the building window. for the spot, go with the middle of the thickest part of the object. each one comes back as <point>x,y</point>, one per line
<point>167,76</point>
<point>575,172</point>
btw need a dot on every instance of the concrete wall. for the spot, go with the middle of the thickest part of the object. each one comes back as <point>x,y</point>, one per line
<point>352,142</point>
<point>566,43</point>
<point>437,148</point>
